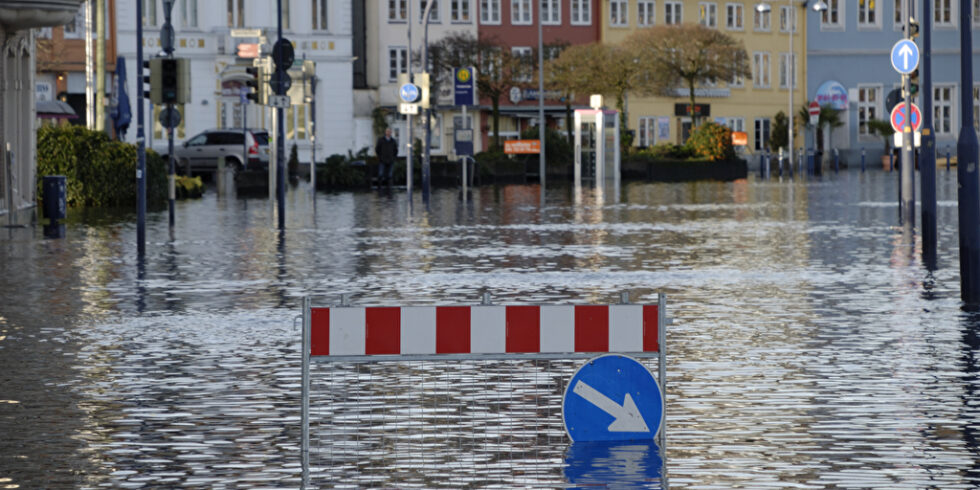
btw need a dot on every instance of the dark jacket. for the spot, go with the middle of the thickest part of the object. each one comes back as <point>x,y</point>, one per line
<point>386,149</point>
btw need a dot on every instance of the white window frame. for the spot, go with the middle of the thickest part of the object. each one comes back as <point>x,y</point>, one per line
<point>787,19</point>
<point>434,17</point>
<point>236,13</point>
<point>581,12</point>
<point>761,62</point>
<point>832,19</point>
<point>735,16</point>
<point>521,12</point>
<point>869,18</point>
<point>735,123</point>
<point>762,127</point>
<point>619,13</point>
<point>762,21</point>
<point>490,12</point>
<point>397,11</point>
<point>76,28</point>
<point>149,14</point>
<point>976,13</point>
<point>787,61</point>
<point>320,20</point>
<point>869,106</point>
<point>522,52</point>
<point>550,12</point>
<point>708,14</point>
<point>673,12</point>
<point>646,131</point>
<point>646,12</point>
<point>188,13</point>
<point>944,120</point>
<point>457,8</point>
<point>951,6</point>
<point>398,54</point>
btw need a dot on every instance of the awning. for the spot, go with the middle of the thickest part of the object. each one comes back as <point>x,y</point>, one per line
<point>55,109</point>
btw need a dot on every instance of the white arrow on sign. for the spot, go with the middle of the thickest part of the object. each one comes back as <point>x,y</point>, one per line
<point>905,51</point>
<point>627,416</point>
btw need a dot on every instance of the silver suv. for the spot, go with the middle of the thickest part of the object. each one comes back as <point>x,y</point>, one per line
<point>200,153</point>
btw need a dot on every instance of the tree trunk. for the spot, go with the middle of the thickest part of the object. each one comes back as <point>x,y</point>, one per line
<point>569,120</point>
<point>694,119</point>
<point>496,122</point>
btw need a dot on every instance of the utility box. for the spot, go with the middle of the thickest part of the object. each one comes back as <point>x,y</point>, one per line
<point>597,152</point>
<point>54,189</point>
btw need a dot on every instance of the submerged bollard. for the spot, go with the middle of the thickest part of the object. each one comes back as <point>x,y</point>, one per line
<point>862,160</point>
<point>947,158</point>
<point>761,163</point>
<point>836,160</point>
<point>891,161</point>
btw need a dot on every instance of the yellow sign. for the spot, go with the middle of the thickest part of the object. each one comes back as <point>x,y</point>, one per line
<point>463,75</point>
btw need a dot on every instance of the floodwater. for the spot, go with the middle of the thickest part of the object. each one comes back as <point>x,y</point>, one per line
<point>809,347</point>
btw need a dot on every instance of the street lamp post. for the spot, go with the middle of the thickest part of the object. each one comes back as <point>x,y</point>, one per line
<point>764,7</point>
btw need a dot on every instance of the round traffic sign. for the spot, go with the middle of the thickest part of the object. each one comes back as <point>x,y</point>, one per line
<point>410,93</point>
<point>899,117</point>
<point>287,82</point>
<point>814,108</point>
<point>283,54</point>
<point>905,56</point>
<point>169,117</point>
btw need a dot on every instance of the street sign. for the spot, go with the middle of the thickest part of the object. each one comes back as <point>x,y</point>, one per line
<point>409,93</point>
<point>279,101</point>
<point>612,398</point>
<point>169,117</point>
<point>814,110</point>
<point>283,54</point>
<point>464,81</point>
<point>412,109</point>
<point>246,33</point>
<point>287,81</point>
<point>463,142</point>
<point>905,56</point>
<point>248,50</point>
<point>899,115</point>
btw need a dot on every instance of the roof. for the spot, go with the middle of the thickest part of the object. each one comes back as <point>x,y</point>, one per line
<point>55,109</point>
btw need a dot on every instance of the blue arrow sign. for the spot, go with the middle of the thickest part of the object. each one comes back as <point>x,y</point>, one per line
<point>612,398</point>
<point>409,93</point>
<point>905,56</point>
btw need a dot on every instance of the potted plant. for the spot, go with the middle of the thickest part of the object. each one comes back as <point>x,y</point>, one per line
<point>884,129</point>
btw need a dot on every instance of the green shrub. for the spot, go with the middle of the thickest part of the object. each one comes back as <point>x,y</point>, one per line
<point>557,148</point>
<point>712,141</point>
<point>188,187</point>
<point>337,172</point>
<point>99,171</point>
<point>668,151</point>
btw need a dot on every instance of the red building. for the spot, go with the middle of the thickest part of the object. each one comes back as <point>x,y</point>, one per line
<point>514,23</point>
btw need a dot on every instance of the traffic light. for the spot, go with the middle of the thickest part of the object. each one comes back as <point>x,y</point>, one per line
<point>146,79</point>
<point>168,81</point>
<point>914,82</point>
<point>254,86</point>
<point>913,29</point>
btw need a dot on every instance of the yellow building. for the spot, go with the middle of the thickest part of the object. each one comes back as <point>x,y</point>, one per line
<point>744,105</point>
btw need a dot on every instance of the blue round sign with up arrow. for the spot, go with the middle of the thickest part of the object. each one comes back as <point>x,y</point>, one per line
<point>905,56</point>
<point>612,398</point>
<point>409,93</point>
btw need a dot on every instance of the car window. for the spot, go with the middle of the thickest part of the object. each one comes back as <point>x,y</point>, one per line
<point>216,139</point>
<point>234,138</point>
<point>262,138</point>
<point>197,140</point>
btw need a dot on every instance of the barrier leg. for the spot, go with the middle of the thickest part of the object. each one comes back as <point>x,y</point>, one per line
<point>305,410</point>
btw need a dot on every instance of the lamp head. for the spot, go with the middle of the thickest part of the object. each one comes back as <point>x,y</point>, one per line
<point>820,6</point>
<point>763,7</point>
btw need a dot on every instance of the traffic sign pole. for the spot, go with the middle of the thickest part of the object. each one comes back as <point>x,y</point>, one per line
<point>908,55</point>
<point>968,192</point>
<point>927,151</point>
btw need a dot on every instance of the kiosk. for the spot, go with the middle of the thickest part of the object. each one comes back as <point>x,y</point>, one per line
<point>596,147</point>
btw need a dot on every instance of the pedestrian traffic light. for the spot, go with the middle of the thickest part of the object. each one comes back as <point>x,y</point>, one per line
<point>913,31</point>
<point>254,89</point>
<point>914,82</point>
<point>169,80</point>
<point>146,79</point>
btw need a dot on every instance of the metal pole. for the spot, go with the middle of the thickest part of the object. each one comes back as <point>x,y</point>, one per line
<point>140,140</point>
<point>171,165</point>
<point>908,164</point>
<point>465,162</point>
<point>662,372</point>
<point>542,126</point>
<point>100,29</point>
<point>927,152</point>
<point>409,153</point>
<point>313,82</point>
<point>426,145</point>
<point>789,81</point>
<point>280,136</point>
<point>89,69</point>
<point>244,100</point>
<point>305,392</point>
<point>968,192</point>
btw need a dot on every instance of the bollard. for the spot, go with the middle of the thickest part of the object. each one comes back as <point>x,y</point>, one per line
<point>947,158</point>
<point>836,161</point>
<point>891,161</point>
<point>54,188</point>
<point>809,161</point>
<point>862,160</point>
<point>761,163</point>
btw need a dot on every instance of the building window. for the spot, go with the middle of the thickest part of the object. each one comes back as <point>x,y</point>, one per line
<point>833,17</point>
<point>787,19</point>
<point>433,14</point>
<point>524,54</point>
<point>236,13</point>
<point>733,16</point>
<point>188,13</point>
<point>76,28</point>
<point>868,107</point>
<point>149,14</point>
<point>672,12</point>
<point>581,12</point>
<point>646,130</point>
<point>397,10</point>
<point>645,12</point>
<point>868,14</point>
<point>708,14</point>
<point>735,123</point>
<point>787,69</point>
<point>489,11</point>
<point>397,62</point>
<point>618,13</point>
<point>459,11</point>
<point>976,13</point>
<point>943,13</point>
<point>320,15</point>
<point>551,12</point>
<point>760,69</point>
<point>900,9</point>
<point>762,20</point>
<point>520,12</point>
<point>761,133</point>
<point>942,101</point>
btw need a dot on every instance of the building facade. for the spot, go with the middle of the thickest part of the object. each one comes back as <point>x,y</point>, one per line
<point>774,41</point>
<point>210,34</point>
<point>849,65</point>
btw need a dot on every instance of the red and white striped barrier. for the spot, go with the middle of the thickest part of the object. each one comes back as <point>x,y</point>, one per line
<point>484,330</point>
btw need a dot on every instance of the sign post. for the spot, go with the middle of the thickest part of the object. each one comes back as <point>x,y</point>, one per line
<point>464,94</point>
<point>905,59</point>
<point>814,110</point>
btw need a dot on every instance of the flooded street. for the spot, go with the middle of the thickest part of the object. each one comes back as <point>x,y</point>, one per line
<point>809,346</point>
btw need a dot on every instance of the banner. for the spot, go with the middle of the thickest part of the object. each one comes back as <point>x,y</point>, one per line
<point>514,147</point>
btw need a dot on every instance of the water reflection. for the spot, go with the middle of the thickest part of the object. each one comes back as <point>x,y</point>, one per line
<point>614,465</point>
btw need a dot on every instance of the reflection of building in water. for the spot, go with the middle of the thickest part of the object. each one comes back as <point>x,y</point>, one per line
<point>17,60</point>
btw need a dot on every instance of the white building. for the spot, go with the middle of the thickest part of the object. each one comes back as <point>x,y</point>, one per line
<point>386,49</point>
<point>209,32</point>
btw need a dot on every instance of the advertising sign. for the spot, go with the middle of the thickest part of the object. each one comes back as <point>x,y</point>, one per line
<point>515,147</point>
<point>464,85</point>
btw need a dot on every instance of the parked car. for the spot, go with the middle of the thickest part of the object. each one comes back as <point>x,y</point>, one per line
<point>200,153</point>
